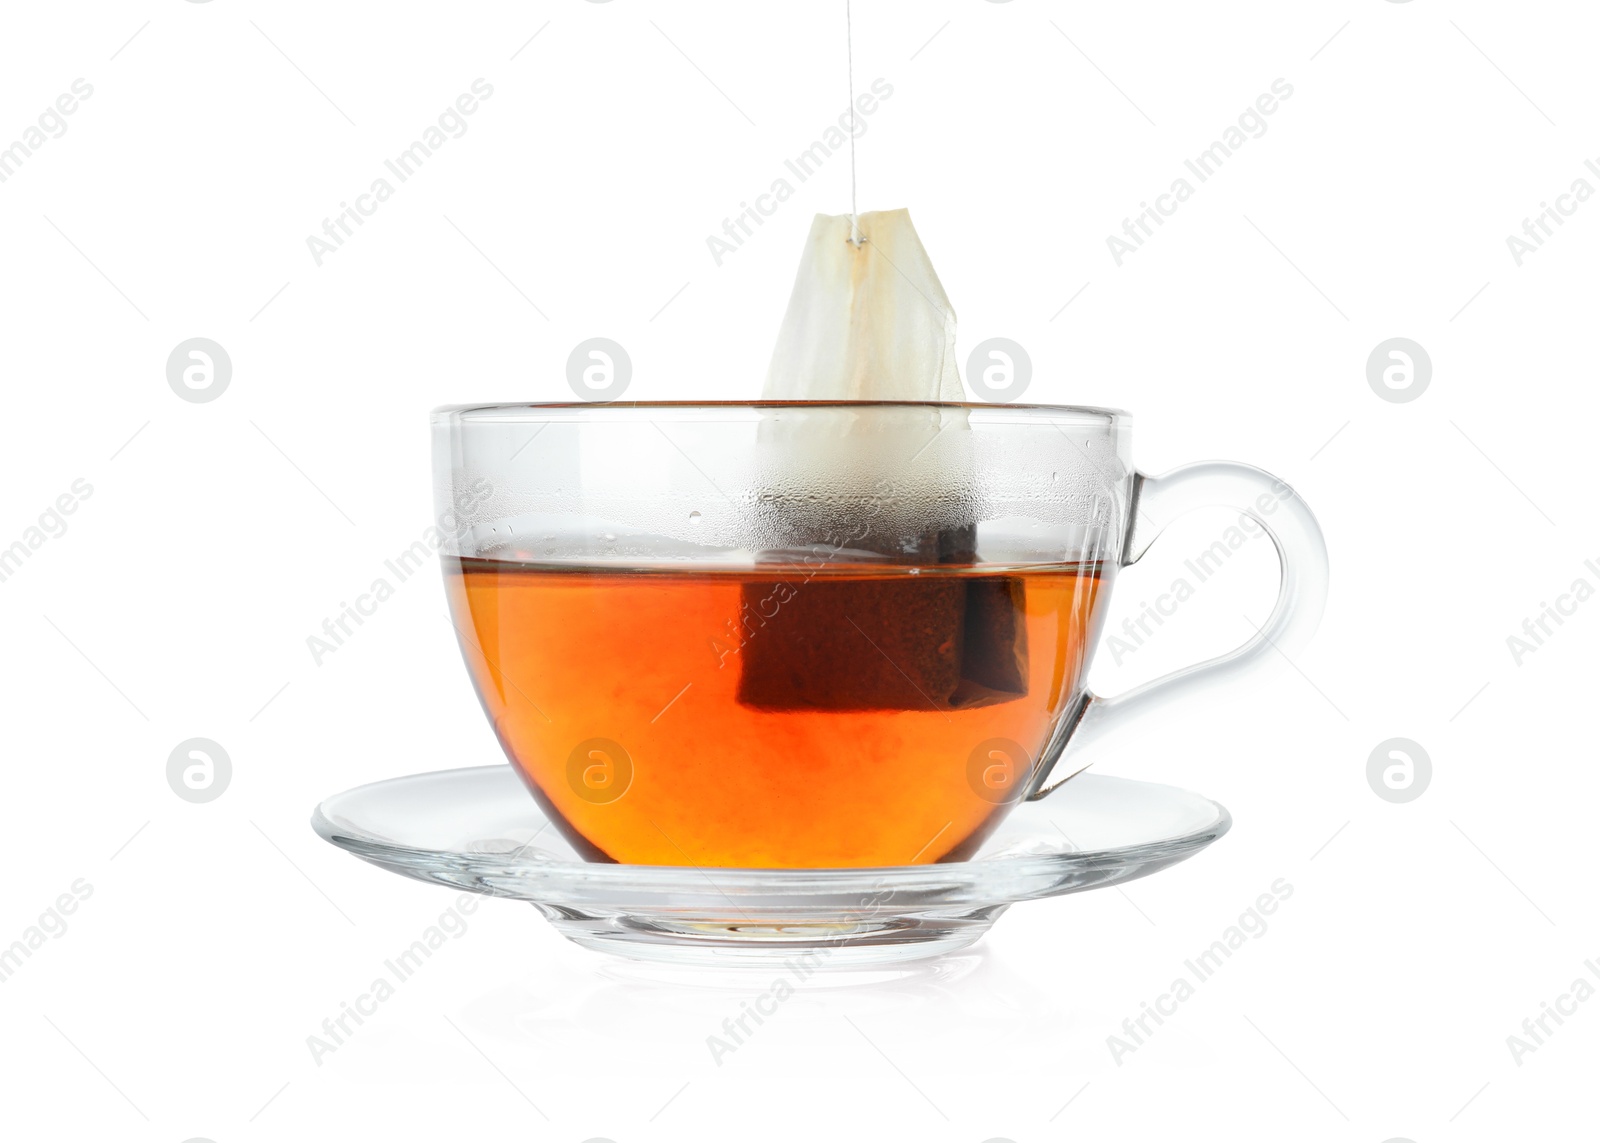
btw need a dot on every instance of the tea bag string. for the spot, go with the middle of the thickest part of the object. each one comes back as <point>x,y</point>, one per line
<point>850,79</point>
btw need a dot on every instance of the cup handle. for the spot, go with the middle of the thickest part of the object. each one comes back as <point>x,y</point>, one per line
<point>1157,501</point>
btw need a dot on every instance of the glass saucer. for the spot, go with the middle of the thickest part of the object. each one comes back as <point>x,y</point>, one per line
<point>478,829</point>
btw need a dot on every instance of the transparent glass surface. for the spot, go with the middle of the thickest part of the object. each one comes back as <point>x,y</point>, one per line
<point>802,635</point>
<point>475,829</point>
<point>783,635</point>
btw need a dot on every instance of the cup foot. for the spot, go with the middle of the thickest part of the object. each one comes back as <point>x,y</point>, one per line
<point>802,946</point>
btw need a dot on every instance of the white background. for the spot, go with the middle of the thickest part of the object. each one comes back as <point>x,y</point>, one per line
<point>219,535</point>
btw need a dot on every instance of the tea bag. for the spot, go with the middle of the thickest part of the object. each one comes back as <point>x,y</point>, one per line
<point>870,321</point>
<point>867,322</point>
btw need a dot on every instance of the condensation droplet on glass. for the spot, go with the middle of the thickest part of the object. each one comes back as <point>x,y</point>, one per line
<point>608,537</point>
<point>694,517</point>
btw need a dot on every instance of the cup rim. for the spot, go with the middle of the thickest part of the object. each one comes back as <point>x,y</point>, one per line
<point>503,410</point>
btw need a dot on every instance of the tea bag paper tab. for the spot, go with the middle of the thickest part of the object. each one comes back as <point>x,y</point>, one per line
<point>871,322</point>
<point>868,322</point>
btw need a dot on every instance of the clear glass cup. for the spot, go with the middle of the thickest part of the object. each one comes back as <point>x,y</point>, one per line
<point>792,634</point>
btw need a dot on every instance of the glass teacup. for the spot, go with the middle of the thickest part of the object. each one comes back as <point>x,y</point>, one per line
<point>811,635</point>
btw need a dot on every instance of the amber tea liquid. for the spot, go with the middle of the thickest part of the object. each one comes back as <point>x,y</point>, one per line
<point>784,717</point>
